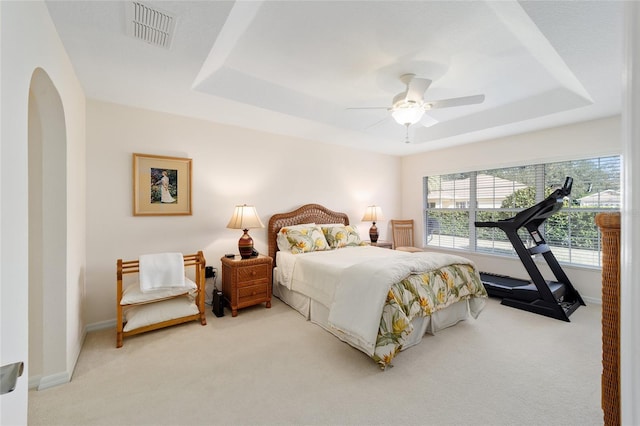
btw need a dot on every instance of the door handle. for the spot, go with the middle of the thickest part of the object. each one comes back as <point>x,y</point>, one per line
<point>9,376</point>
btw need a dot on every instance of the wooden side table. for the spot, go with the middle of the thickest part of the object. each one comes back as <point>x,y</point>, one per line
<point>383,244</point>
<point>246,282</point>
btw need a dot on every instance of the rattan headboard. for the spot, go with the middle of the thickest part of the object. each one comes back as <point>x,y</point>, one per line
<point>309,213</point>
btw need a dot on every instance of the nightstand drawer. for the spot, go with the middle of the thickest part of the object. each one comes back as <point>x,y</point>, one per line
<point>254,292</point>
<point>261,281</point>
<point>246,274</point>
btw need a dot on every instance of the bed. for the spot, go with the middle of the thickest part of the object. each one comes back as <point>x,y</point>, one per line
<point>379,301</point>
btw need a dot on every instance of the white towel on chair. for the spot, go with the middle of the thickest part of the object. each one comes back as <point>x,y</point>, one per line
<point>161,270</point>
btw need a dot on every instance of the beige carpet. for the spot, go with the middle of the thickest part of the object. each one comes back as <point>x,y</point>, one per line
<point>270,366</point>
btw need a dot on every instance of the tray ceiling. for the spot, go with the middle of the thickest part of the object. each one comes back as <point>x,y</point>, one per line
<point>299,67</point>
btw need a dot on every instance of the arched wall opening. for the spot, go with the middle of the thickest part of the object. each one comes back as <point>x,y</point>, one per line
<point>47,188</point>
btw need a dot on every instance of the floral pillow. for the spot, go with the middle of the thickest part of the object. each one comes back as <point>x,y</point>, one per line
<point>341,235</point>
<point>301,239</point>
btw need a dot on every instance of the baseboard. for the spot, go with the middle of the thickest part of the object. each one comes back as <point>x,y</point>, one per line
<point>100,325</point>
<point>34,382</point>
<point>592,300</point>
<point>57,379</point>
<point>44,382</point>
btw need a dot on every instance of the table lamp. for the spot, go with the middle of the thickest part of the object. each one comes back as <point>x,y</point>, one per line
<point>372,214</point>
<point>245,217</point>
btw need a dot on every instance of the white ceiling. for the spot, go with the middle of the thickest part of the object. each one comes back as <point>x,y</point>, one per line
<point>297,67</point>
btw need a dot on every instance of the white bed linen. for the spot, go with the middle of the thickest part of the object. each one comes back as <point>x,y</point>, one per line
<point>319,314</point>
<point>431,324</point>
<point>318,273</point>
<point>353,283</point>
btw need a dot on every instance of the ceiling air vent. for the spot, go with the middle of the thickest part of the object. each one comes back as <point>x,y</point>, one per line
<point>150,24</point>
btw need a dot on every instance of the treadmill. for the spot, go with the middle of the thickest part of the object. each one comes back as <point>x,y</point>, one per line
<point>556,299</point>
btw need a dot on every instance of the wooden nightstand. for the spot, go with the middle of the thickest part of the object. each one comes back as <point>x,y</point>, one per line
<point>246,282</point>
<point>383,244</point>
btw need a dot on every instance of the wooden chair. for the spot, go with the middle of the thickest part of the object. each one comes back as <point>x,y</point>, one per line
<point>402,231</point>
<point>179,306</point>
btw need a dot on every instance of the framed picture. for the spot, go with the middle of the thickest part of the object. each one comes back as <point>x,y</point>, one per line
<point>161,185</point>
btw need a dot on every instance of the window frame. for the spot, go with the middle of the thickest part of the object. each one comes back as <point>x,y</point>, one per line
<point>587,255</point>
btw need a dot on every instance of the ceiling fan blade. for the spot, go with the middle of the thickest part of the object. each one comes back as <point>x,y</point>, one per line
<point>446,103</point>
<point>428,121</point>
<point>376,123</point>
<point>416,89</point>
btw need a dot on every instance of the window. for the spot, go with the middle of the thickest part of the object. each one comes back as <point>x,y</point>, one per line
<point>455,201</point>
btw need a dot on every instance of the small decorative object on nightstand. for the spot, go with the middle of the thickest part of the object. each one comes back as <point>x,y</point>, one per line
<point>372,214</point>
<point>246,282</point>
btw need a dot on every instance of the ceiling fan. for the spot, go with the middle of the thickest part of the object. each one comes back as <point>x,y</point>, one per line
<point>409,107</point>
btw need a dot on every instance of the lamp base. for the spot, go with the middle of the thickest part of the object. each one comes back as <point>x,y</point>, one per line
<point>373,233</point>
<point>245,245</point>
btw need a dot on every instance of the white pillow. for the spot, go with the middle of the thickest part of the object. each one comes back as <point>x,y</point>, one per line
<point>153,313</point>
<point>132,294</point>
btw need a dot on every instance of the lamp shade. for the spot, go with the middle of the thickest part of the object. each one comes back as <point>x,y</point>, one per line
<point>245,217</point>
<point>372,214</point>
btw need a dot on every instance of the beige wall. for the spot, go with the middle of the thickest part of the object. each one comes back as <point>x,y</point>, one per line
<point>29,42</point>
<point>589,139</point>
<point>231,166</point>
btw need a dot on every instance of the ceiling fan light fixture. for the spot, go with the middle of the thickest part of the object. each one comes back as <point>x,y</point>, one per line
<point>407,114</point>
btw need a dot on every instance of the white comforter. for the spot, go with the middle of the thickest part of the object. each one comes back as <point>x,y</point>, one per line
<point>353,283</point>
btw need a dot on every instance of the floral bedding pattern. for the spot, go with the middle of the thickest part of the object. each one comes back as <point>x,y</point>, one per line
<point>421,295</point>
<point>302,239</point>
<point>341,236</point>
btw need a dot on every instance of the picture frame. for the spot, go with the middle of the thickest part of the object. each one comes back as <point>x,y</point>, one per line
<point>161,185</point>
